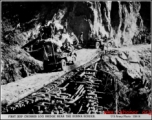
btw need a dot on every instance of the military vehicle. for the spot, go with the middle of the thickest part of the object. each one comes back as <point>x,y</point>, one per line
<point>95,42</point>
<point>51,54</point>
<point>56,58</point>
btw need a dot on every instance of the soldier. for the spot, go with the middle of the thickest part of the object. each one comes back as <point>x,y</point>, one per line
<point>52,32</point>
<point>122,40</point>
<point>81,38</point>
<point>66,25</point>
<point>102,44</point>
<point>41,32</point>
<point>11,71</point>
<point>75,39</point>
<point>90,35</point>
<point>67,47</point>
<point>24,71</point>
<point>5,73</point>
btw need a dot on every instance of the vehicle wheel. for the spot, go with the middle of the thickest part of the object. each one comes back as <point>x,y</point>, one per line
<point>63,64</point>
<point>97,45</point>
<point>74,59</point>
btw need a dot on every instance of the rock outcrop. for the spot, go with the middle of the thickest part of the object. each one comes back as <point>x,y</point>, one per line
<point>132,67</point>
<point>118,20</point>
<point>121,21</point>
<point>131,63</point>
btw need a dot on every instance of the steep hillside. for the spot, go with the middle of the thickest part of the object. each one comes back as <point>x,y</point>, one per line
<point>124,22</point>
<point>132,65</point>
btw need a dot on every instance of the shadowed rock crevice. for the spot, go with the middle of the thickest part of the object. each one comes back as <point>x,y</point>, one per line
<point>115,20</point>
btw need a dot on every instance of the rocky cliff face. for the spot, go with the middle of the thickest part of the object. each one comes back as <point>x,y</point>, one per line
<point>125,22</point>
<point>121,21</point>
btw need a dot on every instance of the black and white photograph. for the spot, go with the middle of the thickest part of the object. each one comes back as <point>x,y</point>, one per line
<point>76,57</point>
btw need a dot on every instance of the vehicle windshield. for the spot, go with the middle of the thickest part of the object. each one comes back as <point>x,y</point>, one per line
<point>51,48</point>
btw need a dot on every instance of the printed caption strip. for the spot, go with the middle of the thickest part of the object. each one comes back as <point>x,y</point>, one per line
<point>77,116</point>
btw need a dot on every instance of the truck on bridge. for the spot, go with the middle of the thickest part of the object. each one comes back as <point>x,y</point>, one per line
<point>52,53</point>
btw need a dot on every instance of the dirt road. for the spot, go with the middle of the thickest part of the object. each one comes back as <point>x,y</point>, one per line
<point>15,91</point>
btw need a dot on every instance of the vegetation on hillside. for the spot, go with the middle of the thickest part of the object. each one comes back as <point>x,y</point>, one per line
<point>16,63</point>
